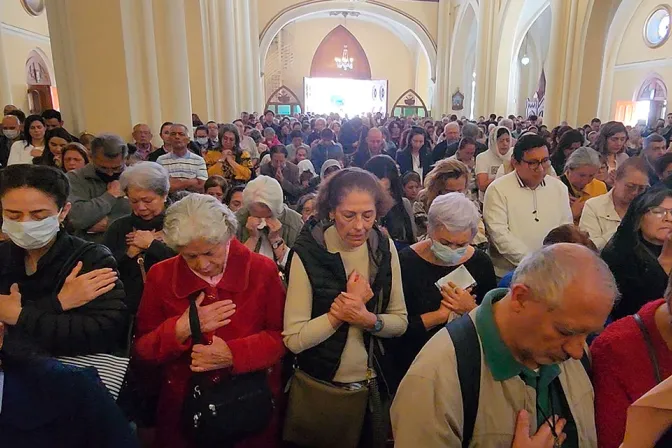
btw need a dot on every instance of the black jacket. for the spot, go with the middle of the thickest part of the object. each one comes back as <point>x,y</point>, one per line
<point>328,279</point>
<point>405,161</point>
<point>639,275</point>
<point>349,135</point>
<point>100,326</point>
<point>129,269</point>
<point>49,404</point>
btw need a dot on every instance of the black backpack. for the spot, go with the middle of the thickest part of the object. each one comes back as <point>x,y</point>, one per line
<point>467,345</point>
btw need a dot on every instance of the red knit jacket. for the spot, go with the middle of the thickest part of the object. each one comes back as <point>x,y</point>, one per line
<point>622,371</point>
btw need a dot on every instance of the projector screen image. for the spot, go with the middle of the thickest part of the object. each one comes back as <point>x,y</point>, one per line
<point>345,96</point>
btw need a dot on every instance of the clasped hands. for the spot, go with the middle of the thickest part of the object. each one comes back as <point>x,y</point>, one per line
<point>138,241</point>
<point>350,306</point>
<point>217,354</point>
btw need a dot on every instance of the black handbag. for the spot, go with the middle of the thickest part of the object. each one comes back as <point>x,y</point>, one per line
<point>221,414</point>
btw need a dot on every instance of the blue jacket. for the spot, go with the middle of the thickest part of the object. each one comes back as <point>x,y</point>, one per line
<point>48,404</point>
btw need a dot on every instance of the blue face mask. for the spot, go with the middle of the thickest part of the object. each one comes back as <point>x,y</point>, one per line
<point>448,255</point>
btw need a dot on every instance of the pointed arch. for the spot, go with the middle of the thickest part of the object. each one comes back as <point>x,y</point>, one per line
<point>284,101</point>
<point>653,88</point>
<point>408,104</point>
<point>333,44</point>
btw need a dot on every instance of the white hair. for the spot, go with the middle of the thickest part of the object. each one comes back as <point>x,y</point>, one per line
<point>452,124</point>
<point>582,157</point>
<point>321,120</point>
<point>146,176</point>
<point>455,212</point>
<point>264,190</point>
<point>198,217</point>
<point>550,270</point>
<point>507,123</point>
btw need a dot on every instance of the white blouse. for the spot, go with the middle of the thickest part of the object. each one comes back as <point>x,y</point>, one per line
<point>20,153</point>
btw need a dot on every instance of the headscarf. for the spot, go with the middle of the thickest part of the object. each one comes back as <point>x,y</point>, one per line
<point>306,165</point>
<point>327,164</point>
<point>492,143</point>
<point>264,190</point>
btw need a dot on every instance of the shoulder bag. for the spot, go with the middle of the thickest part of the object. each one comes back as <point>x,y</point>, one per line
<point>223,413</point>
<point>323,415</point>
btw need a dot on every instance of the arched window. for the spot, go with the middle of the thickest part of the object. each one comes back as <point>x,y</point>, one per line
<point>284,102</point>
<point>652,89</point>
<point>410,104</point>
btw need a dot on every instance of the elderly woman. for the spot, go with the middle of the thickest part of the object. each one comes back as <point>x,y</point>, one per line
<point>644,340</point>
<point>448,176</point>
<point>452,225</point>
<point>239,300</point>
<point>136,240</point>
<point>332,324</point>
<point>640,252</point>
<point>75,156</point>
<point>579,177</point>
<point>266,225</point>
<point>306,206</point>
<point>59,295</point>
<point>602,215</point>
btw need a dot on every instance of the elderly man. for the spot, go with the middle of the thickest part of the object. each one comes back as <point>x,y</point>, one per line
<point>374,145</point>
<point>315,136</point>
<point>451,134</point>
<point>11,133</point>
<point>187,170</point>
<point>514,370</point>
<point>142,138</point>
<point>468,130</point>
<point>95,193</point>
<point>521,207</point>
<point>654,147</point>
<point>285,172</point>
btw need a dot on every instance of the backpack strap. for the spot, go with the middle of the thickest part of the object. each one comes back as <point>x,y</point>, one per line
<point>463,333</point>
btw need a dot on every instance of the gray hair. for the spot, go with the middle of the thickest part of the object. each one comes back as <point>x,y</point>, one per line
<point>550,270</point>
<point>321,120</point>
<point>198,217</point>
<point>269,131</point>
<point>507,123</point>
<point>455,212</point>
<point>470,130</point>
<point>146,176</point>
<point>582,157</point>
<point>111,145</point>
<point>653,138</point>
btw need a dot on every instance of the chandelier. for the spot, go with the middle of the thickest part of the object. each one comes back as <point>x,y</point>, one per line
<point>345,62</point>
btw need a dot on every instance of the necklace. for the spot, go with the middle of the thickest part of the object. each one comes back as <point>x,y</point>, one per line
<point>551,421</point>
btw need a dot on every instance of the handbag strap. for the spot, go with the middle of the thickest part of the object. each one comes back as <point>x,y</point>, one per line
<point>649,346</point>
<point>194,322</point>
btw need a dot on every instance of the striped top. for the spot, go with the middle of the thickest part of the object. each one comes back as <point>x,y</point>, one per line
<point>188,166</point>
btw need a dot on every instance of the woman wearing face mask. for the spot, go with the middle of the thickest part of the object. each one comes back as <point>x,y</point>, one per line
<point>59,295</point>
<point>332,324</point>
<point>24,151</point>
<point>452,225</point>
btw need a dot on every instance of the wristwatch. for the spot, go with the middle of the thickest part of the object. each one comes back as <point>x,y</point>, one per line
<point>277,244</point>
<point>378,326</point>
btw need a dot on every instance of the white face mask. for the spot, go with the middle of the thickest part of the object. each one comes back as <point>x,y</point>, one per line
<point>31,235</point>
<point>202,141</point>
<point>10,133</point>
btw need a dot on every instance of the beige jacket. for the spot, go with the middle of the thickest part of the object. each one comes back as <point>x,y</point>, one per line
<point>427,411</point>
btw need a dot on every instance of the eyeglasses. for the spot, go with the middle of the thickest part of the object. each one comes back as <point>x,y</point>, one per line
<point>661,212</point>
<point>636,188</point>
<point>535,164</point>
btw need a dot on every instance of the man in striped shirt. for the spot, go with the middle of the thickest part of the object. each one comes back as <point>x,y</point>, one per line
<point>187,170</point>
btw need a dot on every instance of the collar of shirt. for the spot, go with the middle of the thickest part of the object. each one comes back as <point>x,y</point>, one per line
<point>498,357</point>
<point>186,155</point>
<point>522,184</point>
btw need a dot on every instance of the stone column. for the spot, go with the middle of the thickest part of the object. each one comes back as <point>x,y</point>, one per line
<point>5,85</point>
<point>485,84</point>
<point>227,73</point>
<point>257,86</point>
<point>441,104</point>
<point>244,55</point>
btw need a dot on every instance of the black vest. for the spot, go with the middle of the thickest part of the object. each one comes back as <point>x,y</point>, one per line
<point>328,279</point>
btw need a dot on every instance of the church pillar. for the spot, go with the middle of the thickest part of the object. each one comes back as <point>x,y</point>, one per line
<point>442,101</point>
<point>485,68</point>
<point>227,71</point>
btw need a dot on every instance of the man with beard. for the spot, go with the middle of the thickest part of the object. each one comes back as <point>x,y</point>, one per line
<point>95,193</point>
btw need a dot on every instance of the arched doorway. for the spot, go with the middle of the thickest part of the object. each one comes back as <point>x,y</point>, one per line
<point>41,91</point>
<point>651,100</point>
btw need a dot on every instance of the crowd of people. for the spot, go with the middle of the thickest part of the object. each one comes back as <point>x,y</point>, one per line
<point>318,281</point>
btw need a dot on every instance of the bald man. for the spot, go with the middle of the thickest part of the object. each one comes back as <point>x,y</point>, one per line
<point>451,134</point>
<point>142,136</point>
<point>374,145</point>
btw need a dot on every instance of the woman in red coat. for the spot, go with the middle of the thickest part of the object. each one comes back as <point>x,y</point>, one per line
<point>240,308</point>
<point>623,370</point>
